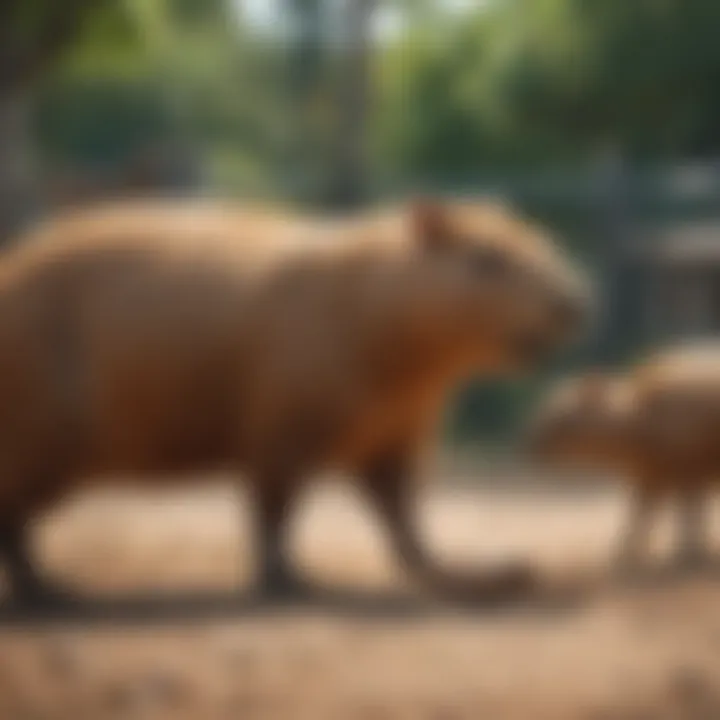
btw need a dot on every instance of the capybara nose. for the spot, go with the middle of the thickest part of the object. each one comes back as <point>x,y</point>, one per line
<point>571,311</point>
<point>531,440</point>
<point>567,313</point>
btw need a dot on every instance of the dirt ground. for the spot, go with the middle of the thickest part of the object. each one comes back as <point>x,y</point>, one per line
<point>637,651</point>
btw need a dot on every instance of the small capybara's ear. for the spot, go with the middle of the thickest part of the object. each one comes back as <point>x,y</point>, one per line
<point>429,221</point>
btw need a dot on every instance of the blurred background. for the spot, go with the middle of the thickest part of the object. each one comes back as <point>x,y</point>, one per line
<point>601,119</point>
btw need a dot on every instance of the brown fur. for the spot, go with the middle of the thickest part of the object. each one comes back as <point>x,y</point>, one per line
<point>157,340</point>
<point>658,426</point>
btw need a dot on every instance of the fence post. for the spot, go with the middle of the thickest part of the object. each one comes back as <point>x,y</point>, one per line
<point>616,223</point>
<point>18,193</point>
<point>304,146</point>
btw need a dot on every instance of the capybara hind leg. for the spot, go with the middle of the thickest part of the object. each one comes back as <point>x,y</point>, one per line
<point>633,544</point>
<point>24,581</point>
<point>276,578</point>
<point>392,487</point>
<point>27,587</point>
<point>693,552</point>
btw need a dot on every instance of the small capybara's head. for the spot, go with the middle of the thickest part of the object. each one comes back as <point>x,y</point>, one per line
<point>586,421</point>
<point>506,290</point>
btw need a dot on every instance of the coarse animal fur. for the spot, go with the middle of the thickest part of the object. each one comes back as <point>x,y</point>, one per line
<point>160,340</point>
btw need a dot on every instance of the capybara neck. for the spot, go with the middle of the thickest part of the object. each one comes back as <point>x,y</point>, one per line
<point>406,330</point>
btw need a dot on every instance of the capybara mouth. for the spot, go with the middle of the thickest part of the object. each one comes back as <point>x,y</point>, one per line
<point>532,348</point>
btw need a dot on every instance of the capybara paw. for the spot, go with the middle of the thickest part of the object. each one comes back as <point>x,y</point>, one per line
<point>44,596</point>
<point>284,588</point>
<point>514,578</point>
<point>507,583</point>
<point>695,562</point>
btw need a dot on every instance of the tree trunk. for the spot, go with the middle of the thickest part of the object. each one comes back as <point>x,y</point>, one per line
<point>348,178</point>
<point>17,177</point>
<point>305,76</point>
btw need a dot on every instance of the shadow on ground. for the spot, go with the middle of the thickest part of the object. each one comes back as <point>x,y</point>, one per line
<point>541,598</point>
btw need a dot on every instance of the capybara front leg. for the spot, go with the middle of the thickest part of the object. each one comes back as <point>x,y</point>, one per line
<point>276,579</point>
<point>693,550</point>
<point>392,486</point>
<point>636,534</point>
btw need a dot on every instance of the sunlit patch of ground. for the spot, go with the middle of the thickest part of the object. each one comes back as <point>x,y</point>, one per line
<point>626,653</point>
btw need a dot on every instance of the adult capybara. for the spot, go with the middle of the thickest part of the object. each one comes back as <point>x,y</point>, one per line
<point>156,340</point>
<point>658,425</point>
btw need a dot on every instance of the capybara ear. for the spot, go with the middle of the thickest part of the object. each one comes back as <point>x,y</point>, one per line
<point>429,221</point>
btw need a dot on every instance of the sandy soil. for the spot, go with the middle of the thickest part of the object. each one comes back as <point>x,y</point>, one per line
<point>634,651</point>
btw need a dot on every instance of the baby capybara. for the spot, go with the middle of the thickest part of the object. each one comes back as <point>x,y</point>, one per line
<point>657,425</point>
<point>161,340</point>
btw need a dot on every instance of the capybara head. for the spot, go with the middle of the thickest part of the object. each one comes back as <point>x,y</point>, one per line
<point>499,282</point>
<point>585,421</point>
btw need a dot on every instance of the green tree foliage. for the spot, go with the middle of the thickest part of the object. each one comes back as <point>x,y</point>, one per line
<point>521,82</point>
<point>35,36</point>
<point>194,77</point>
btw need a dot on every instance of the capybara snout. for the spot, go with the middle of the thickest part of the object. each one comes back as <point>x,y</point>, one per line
<point>570,310</point>
<point>510,280</point>
<point>559,310</point>
<point>586,420</point>
<point>570,298</point>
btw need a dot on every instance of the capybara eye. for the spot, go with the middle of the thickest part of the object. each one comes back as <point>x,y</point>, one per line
<point>490,261</point>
